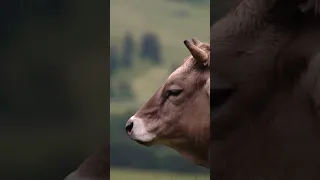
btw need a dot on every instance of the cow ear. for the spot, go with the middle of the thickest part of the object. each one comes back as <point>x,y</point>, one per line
<point>207,87</point>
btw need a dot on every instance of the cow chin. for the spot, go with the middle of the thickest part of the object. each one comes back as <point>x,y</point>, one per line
<point>148,144</point>
<point>139,132</point>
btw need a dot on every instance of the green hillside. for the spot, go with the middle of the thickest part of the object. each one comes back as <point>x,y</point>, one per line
<point>123,174</point>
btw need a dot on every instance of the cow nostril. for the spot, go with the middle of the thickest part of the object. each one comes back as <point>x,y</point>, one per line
<point>129,127</point>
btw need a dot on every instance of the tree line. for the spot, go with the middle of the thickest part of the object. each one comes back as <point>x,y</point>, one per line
<point>149,49</point>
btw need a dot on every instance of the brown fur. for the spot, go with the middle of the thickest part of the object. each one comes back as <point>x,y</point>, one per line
<point>268,128</point>
<point>95,167</point>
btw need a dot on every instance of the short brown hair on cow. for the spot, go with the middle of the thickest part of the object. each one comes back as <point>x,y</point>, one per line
<point>178,114</point>
<point>266,124</point>
<point>95,167</point>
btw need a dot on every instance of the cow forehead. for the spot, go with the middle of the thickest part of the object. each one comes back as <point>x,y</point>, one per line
<point>186,66</point>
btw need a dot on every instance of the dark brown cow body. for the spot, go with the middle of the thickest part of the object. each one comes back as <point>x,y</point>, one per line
<point>178,114</point>
<point>95,167</point>
<point>268,124</point>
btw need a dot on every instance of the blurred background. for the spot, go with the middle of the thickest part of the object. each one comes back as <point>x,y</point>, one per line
<point>146,46</point>
<point>54,86</point>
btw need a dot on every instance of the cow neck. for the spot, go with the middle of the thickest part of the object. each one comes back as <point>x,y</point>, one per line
<point>199,153</point>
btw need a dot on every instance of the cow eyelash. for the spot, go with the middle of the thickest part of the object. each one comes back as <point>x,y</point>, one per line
<point>173,92</point>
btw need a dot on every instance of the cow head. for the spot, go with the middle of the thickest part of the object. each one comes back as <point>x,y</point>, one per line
<point>178,114</point>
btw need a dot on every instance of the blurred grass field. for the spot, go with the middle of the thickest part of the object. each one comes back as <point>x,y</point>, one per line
<point>124,174</point>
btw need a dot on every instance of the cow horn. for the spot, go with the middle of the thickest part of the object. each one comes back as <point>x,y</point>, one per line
<point>196,52</point>
<point>196,41</point>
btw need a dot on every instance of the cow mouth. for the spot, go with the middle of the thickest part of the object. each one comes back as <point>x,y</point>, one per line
<point>144,143</point>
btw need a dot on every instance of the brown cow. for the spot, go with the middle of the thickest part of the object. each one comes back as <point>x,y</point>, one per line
<point>266,124</point>
<point>95,167</point>
<point>178,114</point>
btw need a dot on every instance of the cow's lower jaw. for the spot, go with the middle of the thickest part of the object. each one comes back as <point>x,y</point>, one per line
<point>148,144</point>
<point>138,132</point>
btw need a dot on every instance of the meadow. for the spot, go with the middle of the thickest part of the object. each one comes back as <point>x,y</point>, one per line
<point>124,174</point>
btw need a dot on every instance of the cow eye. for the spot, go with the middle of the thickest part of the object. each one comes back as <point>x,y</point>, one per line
<point>173,91</point>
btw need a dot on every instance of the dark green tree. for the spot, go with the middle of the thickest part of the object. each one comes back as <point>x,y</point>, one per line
<point>150,48</point>
<point>128,50</point>
<point>114,59</point>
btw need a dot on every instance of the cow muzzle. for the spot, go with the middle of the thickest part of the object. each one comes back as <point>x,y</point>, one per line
<point>137,131</point>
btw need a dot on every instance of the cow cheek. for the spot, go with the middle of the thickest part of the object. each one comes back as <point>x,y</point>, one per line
<point>171,126</point>
<point>171,131</point>
<point>168,120</point>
